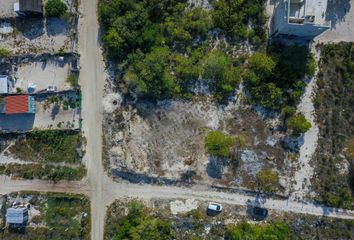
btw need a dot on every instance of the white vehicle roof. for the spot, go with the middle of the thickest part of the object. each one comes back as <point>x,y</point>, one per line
<point>214,206</point>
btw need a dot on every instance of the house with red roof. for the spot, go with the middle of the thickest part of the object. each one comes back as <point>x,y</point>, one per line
<point>18,104</point>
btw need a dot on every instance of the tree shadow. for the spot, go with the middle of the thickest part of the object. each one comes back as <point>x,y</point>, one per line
<point>336,11</point>
<point>30,28</point>
<point>55,111</point>
<point>216,166</point>
<point>56,26</point>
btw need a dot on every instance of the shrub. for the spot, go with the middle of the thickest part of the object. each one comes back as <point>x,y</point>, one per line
<point>138,224</point>
<point>267,180</point>
<point>151,77</point>
<point>261,64</point>
<point>298,124</point>
<point>55,8</point>
<point>219,144</point>
<point>244,230</point>
<point>5,53</point>
<point>73,79</point>
<point>218,68</point>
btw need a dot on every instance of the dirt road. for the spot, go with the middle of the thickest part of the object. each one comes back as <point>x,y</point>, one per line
<point>92,79</point>
<point>113,190</point>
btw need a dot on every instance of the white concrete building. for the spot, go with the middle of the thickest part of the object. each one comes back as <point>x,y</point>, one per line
<point>301,18</point>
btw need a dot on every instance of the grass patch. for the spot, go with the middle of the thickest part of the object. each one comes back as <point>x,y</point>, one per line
<point>46,172</point>
<point>48,146</point>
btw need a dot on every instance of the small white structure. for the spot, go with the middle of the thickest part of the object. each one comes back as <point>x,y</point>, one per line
<point>301,18</point>
<point>4,84</point>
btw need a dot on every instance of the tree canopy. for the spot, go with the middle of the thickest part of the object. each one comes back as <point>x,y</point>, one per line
<point>137,32</point>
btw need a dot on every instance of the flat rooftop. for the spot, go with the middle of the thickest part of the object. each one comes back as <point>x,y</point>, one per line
<point>308,11</point>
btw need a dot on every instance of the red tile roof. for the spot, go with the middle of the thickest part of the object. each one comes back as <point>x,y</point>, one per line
<point>16,104</point>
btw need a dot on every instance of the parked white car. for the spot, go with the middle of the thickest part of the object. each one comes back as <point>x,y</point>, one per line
<point>214,207</point>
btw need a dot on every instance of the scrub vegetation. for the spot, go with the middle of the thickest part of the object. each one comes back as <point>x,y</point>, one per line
<point>55,8</point>
<point>57,216</point>
<point>45,172</point>
<point>164,47</point>
<point>275,79</point>
<point>334,175</point>
<point>48,146</point>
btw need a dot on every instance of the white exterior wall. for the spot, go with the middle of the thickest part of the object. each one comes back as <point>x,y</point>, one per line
<point>281,25</point>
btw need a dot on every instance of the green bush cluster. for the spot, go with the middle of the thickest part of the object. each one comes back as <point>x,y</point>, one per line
<point>48,146</point>
<point>234,17</point>
<point>298,124</point>
<point>5,53</point>
<point>218,144</point>
<point>46,172</point>
<point>244,230</point>
<point>163,47</point>
<point>275,79</point>
<point>139,224</point>
<point>55,8</point>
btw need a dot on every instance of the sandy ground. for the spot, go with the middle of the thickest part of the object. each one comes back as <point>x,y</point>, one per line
<point>7,8</point>
<point>167,140</point>
<point>35,36</point>
<point>43,75</point>
<point>92,78</point>
<point>45,117</point>
<point>113,190</point>
<point>341,14</point>
<point>305,171</point>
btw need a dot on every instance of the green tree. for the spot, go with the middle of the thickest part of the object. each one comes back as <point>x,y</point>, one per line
<point>233,16</point>
<point>267,180</point>
<point>151,77</point>
<point>261,64</point>
<point>55,8</point>
<point>219,144</point>
<point>218,68</point>
<point>298,124</point>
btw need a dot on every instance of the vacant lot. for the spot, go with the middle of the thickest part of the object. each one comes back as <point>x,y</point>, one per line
<point>42,74</point>
<point>52,216</point>
<point>166,141</point>
<point>334,179</point>
<point>52,154</point>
